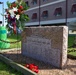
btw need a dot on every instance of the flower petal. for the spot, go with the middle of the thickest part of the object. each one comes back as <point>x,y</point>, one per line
<point>17,17</point>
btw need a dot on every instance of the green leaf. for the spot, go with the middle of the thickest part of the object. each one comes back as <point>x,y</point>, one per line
<point>8,4</point>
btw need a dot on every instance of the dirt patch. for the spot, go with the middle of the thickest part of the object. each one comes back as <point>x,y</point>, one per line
<point>44,69</point>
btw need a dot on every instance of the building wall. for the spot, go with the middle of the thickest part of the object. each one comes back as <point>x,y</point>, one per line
<point>50,6</point>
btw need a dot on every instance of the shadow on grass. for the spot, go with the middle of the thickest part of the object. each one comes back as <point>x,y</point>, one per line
<point>14,36</point>
<point>7,70</point>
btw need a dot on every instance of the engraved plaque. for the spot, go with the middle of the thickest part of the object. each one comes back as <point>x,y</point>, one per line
<point>47,44</point>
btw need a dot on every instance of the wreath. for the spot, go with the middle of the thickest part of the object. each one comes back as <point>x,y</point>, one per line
<point>15,16</point>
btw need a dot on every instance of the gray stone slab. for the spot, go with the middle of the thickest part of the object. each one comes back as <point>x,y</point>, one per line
<point>48,44</point>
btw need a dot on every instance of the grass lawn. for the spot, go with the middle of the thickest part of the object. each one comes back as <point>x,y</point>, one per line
<point>70,43</point>
<point>72,53</point>
<point>70,40</point>
<point>7,70</point>
<point>14,38</point>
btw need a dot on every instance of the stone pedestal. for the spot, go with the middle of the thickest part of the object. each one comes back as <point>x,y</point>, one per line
<point>47,44</point>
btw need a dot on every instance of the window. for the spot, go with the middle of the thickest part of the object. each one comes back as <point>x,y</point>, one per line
<point>34,16</point>
<point>73,10</point>
<point>45,14</point>
<point>34,2</point>
<point>27,4</point>
<point>58,11</point>
<point>44,0</point>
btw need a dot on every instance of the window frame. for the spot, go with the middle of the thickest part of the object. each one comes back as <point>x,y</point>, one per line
<point>45,0</point>
<point>27,3</point>
<point>34,2</point>
<point>34,16</point>
<point>58,11</point>
<point>45,14</point>
<point>73,9</point>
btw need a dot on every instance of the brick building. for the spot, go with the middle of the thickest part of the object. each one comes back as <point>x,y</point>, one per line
<point>51,12</point>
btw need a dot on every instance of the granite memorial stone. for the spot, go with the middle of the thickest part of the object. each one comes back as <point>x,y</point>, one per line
<point>47,44</point>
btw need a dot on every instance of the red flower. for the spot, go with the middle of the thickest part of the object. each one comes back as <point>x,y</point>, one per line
<point>32,67</point>
<point>36,67</point>
<point>19,11</point>
<point>14,4</point>
<point>21,7</point>
<point>36,70</point>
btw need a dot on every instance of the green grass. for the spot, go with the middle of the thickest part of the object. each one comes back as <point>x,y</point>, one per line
<point>71,40</point>
<point>14,38</point>
<point>7,70</point>
<point>72,53</point>
<point>70,43</point>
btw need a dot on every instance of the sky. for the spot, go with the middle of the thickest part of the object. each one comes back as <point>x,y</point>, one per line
<point>5,6</point>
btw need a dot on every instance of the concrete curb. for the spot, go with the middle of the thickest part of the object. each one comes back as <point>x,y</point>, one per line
<point>17,66</point>
<point>6,50</point>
